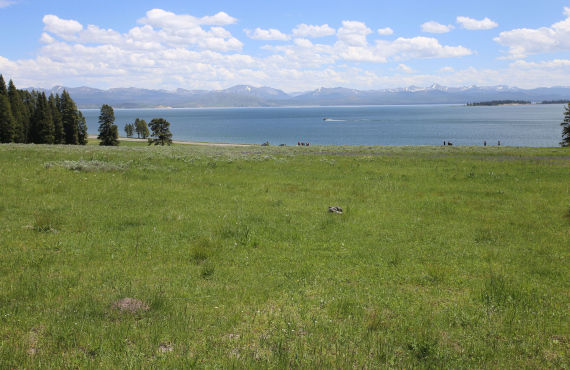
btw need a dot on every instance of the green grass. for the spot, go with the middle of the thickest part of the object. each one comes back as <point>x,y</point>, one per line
<point>444,257</point>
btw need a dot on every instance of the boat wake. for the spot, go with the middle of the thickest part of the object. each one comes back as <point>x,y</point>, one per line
<point>333,120</point>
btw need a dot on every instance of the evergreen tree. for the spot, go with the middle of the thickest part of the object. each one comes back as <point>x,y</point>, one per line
<point>129,129</point>
<point>141,128</point>
<point>82,129</point>
<point>160,132</point>
<point>566,128</point>
<point>108,131</point>
<point>70,118</point>
<point>28,105</point>
<point>6,120</point>
<point>42,128</point>
<point>3,90</point>
<point>17,106</point>
<point>59,135</point>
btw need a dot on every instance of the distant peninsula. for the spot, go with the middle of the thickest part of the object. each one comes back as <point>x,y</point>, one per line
<point>494,103</point>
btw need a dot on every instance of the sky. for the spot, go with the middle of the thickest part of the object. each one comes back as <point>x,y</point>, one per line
<point>291,45</point>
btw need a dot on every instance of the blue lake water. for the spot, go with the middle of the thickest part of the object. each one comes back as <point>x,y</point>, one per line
<point>525,125</point>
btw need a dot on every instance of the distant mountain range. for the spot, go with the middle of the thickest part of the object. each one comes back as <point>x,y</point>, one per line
<point>249,96</point>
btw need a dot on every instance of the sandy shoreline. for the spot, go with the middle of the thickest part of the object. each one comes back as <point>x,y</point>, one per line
<point>94,137</point>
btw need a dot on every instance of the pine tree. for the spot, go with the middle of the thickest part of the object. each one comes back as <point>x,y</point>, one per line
<point>141,128</point>
<point>108,131</point>
<point>3,90</point>
<point>566,128</point>
<point>70,118</point>
<point>160,132</point>
<point>42,128</point>
<point>17,106</point>
<point>82,129</point>
<point>28,105</point>
<point>6,120</point>
<point>59,135</point>
<point>129,129</point>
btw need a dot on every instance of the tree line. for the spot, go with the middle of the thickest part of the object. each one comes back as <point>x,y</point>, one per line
<point>109,132</point>
<point>139,126</point>
<point>32,117</point>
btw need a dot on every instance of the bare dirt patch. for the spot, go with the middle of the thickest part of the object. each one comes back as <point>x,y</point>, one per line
<point>131,305</point>
<point>165,348</point>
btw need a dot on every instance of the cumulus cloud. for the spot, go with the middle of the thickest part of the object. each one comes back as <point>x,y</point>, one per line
<point>435,27</point>
<point>527,41</point>
<point>551,64</point>
<point>159,29</point>
<point>304,43</point>
<point>447,69</point>
<point>168,20</point>
<point>312,31</point>
<point>169,50</point>
<point>420,47</point>
<point>385,31</point>
<point>404,68</point>
<point>65,28</point>
<point>46,38</point>
<point>476,25</point>
<point>353,33</point>
<point>267,35</point>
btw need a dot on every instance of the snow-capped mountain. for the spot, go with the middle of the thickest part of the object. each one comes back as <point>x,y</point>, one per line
<point>250,96</point>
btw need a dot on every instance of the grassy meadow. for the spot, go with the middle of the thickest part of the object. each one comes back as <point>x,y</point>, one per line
<point>444,257</point>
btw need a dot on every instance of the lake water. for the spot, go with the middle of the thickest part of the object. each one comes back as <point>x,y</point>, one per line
<point>525,125</point>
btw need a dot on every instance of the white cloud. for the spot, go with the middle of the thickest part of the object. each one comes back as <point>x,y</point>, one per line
<point>311,31</point>
<point>435,27</point>
<point>168,20</point>
<point>304,43</point>
<point>527,41</point>
<point>353,33</point>
<point>65,28</point>
<point>476,25</point>
<point>550,64</point>
<point>7,3</point>
<point>46,38</point>
<point>267,35</point>
<point>160,29</point>
<point>404,68</point>
<point>419,47</point>
<point>167,50</point>
<point>219,19</point>
<point>385,31</point>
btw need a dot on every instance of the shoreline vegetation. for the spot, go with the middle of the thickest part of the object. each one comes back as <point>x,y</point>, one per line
<point>180,142</point>
<point>222,257</point>
<point>493,103</point>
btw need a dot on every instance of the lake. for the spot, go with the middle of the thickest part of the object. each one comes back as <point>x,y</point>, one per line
<point>524,125</point>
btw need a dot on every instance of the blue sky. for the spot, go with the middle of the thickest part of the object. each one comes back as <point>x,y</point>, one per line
<point>292,45</point>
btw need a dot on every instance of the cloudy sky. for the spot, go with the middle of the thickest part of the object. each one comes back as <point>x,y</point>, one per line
<point>292,45</point>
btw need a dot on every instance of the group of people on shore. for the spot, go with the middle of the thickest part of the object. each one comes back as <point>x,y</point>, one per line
<point>303,144</point>
<point>449,143</point>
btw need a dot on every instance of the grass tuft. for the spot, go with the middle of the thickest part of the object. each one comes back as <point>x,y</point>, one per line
<point>498,292</point>
<point>89,166</point>
<point>47,221</point>
<point>201,250</point>
<point>207,270</point>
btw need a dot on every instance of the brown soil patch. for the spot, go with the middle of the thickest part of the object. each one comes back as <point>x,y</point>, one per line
<point>131,305</point>
<point>165,348</point>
